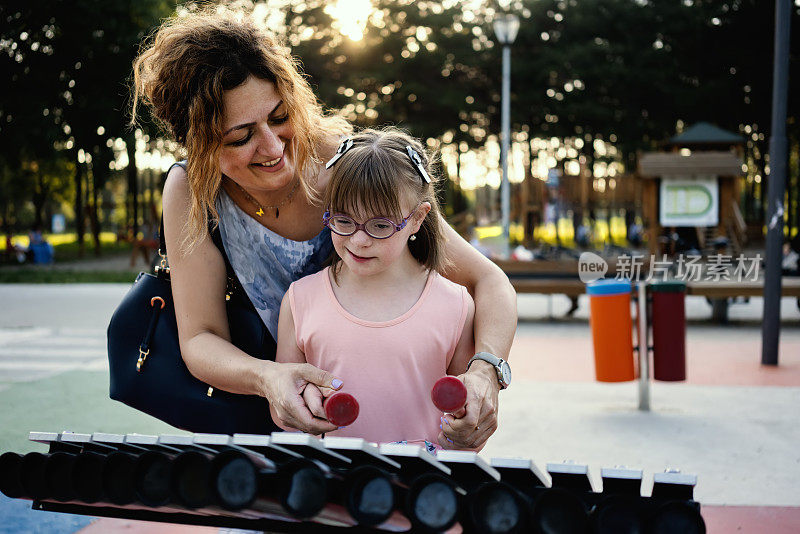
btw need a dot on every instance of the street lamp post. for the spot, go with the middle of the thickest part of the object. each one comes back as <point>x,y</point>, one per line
<point>505,28</point>
<point>771,327</point>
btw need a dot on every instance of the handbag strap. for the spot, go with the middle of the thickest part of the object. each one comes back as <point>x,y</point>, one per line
<point>233,284</point>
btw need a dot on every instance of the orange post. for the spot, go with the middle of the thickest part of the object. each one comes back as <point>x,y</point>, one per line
<point>611,324</point>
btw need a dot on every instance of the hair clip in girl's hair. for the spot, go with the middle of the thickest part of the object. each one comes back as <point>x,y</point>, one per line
<point>417,161</point>
<point>345,145</point>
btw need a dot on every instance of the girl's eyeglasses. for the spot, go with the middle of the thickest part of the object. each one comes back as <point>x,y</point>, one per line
<point>377,227</point>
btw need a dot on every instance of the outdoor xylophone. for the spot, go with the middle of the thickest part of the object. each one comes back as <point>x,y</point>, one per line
<point>292,482</point>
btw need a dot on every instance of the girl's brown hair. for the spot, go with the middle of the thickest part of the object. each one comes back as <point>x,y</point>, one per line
<point>182,72</point>
<point>375,176</point>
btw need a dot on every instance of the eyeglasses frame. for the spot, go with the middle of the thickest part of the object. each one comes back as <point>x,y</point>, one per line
<point>327,216</point>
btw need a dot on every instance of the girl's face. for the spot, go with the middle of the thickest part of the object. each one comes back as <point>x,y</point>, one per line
<point>366,256</point>
<point>257,134</point>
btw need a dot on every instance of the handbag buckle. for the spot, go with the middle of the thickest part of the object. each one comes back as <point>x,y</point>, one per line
<point>142,357</point>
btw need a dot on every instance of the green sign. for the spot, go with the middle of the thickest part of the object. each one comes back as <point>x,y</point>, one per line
<point>689,201</point>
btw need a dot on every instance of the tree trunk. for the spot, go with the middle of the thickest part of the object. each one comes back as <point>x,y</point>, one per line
<point>80,227</point>
<point>133,184</point>
<point>536,188</point>
<point>93,219</point>
<point>458,164</point>
<point>151,202</point>
<point>39,197</point>
<point>793,181</point>
<point>587,151</point>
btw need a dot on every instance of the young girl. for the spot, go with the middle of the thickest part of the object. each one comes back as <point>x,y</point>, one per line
<point>381,317</point>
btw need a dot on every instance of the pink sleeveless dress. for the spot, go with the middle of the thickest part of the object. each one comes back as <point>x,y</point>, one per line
<point>389,367</point>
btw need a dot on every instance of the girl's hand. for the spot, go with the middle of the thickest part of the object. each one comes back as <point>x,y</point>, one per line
<point>315,396</point>
<point>479,420</point>
<point>314,399</point>
<point>293,391</point>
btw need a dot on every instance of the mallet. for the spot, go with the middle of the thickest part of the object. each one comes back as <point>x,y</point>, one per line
<point>341,409</point>
<point>449,394</point>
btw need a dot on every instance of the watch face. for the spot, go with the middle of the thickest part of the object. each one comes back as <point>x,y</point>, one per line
<point>505,370</point>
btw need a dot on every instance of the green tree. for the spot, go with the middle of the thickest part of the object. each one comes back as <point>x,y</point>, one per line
<point>69,63</point>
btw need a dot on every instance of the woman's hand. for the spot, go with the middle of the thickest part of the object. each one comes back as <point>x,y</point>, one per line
<point>478,421</point>
<point>294,391</point>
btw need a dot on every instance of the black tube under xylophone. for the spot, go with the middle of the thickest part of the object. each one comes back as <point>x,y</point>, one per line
<point>118,478</point>
<point>151,479</point>
<point>153,470</point>
<point>72,471</point>
<point>618,514</point>
<point>430,497</point>
<point>679,512</point>
<point>369,494</point>
<point>677,516</point>
<point>49,476</point>
<point>373,489</point>
<point>31,475</point>
<point>364,495</point>
<point>526,479</point>
<point>490,506</point>
<point>58,469</point>
<point>237,482</point>
<point>620,510</point>
<point>192,483</point>
<point>87,476</point>
<point>494,508</point>
<point>211,477</point>
<point>558,511</point>
<point>10,483</point>
<point>190,479</point>
<point>76,468</point>
<point>218,475</point>
<point>431,503</point>
<point>122,456</point>
<point>167,479</point>
<point>377,498</point>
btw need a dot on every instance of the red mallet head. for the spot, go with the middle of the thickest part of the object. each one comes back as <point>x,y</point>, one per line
<point>449,394</point>
<point>341,409</point>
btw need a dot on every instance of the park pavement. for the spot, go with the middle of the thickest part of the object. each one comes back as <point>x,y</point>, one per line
<point>733,422</point>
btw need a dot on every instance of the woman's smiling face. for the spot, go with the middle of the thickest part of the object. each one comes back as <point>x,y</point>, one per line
<point>257,137</point>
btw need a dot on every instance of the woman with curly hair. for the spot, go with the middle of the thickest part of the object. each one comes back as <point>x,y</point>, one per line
<point>256,139</point>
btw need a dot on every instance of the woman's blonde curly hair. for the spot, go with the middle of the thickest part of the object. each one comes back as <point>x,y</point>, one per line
<point>181,74</point>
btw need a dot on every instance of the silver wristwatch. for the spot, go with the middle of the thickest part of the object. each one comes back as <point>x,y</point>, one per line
<point>499,364</point>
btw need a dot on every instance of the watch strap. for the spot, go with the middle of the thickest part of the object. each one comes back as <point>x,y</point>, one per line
<point>492,360</point>
<point>488,357</point>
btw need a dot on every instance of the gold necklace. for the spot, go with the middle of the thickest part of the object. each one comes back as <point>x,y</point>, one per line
<point>261,209</point>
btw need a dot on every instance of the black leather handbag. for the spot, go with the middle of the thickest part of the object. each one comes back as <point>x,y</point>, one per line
<point>147,369</point>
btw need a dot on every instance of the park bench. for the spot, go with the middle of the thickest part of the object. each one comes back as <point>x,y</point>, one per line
<point>549,277</point>
<point>721,293</point>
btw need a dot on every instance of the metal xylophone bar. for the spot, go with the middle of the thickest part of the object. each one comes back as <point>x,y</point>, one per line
<point>290,482</point>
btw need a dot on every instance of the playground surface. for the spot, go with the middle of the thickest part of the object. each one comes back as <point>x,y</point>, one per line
<point>733,423</point>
